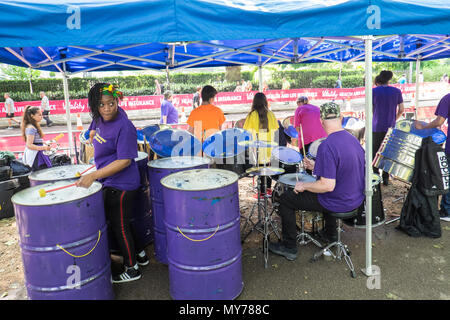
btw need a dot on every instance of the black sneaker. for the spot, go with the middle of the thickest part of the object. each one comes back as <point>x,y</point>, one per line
<point>142,258</point>
<point>280,249</point>
<point>130,274</point>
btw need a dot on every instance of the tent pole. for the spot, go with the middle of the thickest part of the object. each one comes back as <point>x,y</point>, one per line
<point>260,76</point>
<point>67,105</point>
<point>416,102</point>
<point>368,146</point>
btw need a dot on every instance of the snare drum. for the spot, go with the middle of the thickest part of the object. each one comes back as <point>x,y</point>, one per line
<point>287,182</point>
<point>378,217</point>
<point>286,158</point>
<point>86,148</point>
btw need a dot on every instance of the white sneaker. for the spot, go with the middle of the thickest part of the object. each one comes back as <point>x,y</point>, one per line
<point>10,128</point>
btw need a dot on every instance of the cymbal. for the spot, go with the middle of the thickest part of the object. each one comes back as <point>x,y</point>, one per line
<point>258,144</point>
<point>265,171</point>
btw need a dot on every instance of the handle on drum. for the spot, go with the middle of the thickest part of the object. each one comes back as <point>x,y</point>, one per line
<point>83,255</point>
<point>198,240</point>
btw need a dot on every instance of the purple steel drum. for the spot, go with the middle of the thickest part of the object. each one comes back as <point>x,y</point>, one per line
<point>64,243</point>
<point>158,169</point>
<point>58,174</point>
<point>142,219</point>
<point>203,234</point>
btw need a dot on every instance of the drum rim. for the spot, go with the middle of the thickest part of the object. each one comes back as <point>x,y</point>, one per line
<point>32,175</point>
<point>151,163</point>
<point>46,185</point>
<point>164,183</point>
<point>302,173</point>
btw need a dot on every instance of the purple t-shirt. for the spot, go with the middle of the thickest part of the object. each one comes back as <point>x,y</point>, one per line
<point>341,157</point>
<point>385,100</point>
<point>443,110</point>
<point>167,109</point>
<point>116,140</point>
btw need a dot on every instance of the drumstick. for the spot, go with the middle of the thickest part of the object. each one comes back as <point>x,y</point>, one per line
<point>43,192</point>
<point>58,137</point>
<point>79,174</point>
<point>303,142</point>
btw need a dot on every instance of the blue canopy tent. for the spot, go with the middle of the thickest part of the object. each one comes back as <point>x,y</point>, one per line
<point>87,35</point>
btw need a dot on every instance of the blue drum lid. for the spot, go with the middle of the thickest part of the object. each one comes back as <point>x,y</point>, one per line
<point>437,135</point>
<point>174,142</point>
<point>291,132</point>
<point>225,143</point>
<point>287,155</point>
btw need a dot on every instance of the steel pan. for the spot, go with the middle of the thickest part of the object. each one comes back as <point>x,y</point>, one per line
<point>61,233</point>
<point>354,126</point>
<point>226,150</point>
<point>240,123</point>
<point>313,147</point>
<point>58,173</point>
<point>396,154</point>
<point>203,234</point>
<point>86,148</point>
<point>174,143</point>
<point>407,125</point>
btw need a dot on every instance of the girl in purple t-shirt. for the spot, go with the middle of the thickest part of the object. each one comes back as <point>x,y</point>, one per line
<point>32,134</point>
<point>115,147</point>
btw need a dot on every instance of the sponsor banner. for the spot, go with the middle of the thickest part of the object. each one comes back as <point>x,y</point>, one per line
<point>430,90</point>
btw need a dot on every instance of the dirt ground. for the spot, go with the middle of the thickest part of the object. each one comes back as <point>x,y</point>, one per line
<point>11,269</point>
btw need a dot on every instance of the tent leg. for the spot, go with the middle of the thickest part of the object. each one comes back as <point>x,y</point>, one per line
<point>416,102</point>
<point>67,105</point>
<point>368,183</point>
<point>260,77</point>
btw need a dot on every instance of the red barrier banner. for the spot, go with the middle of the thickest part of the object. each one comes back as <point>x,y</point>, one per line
<point>429,90</point>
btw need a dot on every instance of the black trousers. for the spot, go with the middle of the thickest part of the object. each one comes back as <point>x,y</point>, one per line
<point>119,206</point>
<point>45,114</point>
<point>378,138</point>
<point>289,203</point>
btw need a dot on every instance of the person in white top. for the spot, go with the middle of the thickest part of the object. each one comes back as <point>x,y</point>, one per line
<point>9,109</point>
<point>45,107</point>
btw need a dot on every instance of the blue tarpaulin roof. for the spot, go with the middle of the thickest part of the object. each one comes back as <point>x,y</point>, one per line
<point>122,35</point>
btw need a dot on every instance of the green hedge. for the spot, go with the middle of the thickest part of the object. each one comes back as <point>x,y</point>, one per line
<point>180,83</point>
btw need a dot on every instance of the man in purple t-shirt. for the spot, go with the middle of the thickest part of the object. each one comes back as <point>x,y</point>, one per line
<point>169,114</point>
<point>385,100</point>
<point>339,168</point>
<point>442,113</point>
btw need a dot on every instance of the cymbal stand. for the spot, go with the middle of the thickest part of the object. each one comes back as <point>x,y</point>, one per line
<point>264,218</point>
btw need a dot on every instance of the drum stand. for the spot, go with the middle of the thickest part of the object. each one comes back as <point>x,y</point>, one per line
<point>264,218</point>
<point>304,237</point>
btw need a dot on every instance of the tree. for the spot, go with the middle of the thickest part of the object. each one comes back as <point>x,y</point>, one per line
<point>19,73</point>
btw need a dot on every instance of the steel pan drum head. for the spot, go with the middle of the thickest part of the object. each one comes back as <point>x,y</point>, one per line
<point>288,121</point>
<point>265,171</point>
<point>287,155</point>
<point>314,147</point>
<point>59,173</point>
<point>174,142</point>
<point>437,135</point>
<point>140,135</point>
<point>150,130</point>
<point>226,143</point>
<point>199,179</point>
<point>84,136</point>
<point>141,156</point>
<point>31,197</point>
<point>352,123</point>
<point>290,179</point>
<point>291,132</point>
<point>178,162</point>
